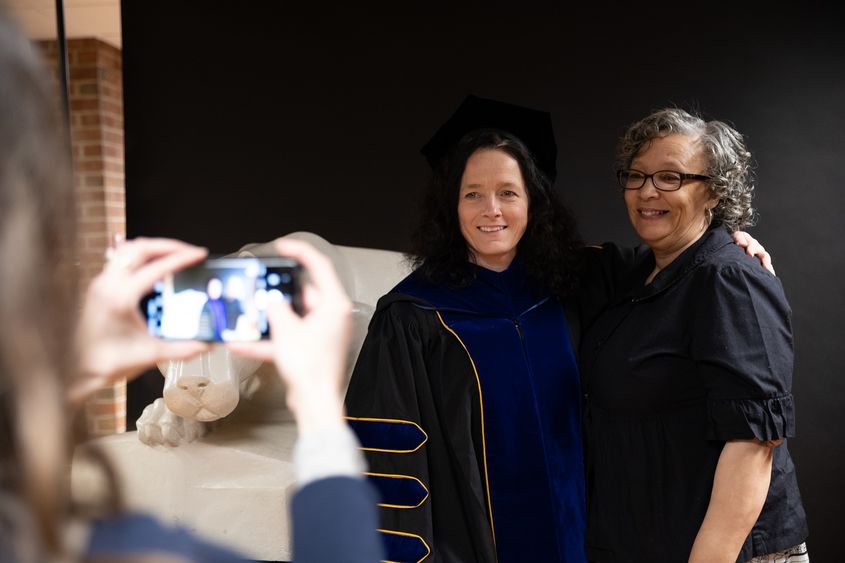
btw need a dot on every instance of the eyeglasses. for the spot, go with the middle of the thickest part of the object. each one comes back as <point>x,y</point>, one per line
<point>663,180</point>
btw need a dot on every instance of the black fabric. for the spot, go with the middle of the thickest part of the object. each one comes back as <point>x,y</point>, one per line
<point>605,274</point>
<point>411,369</point>
<point>415,370</point>
<point>517,337</point>
<point>671,370</point>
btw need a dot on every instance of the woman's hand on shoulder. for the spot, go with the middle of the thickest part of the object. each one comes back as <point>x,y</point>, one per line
<point>753,248</point>
<point>112,336</point>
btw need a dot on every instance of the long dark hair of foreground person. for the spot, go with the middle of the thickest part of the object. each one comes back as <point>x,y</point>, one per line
<point>38,308</point>
<point>549,248</point>
<point>37,296</point>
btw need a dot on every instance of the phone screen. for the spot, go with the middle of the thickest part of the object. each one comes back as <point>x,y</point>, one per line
<point>221,299</point>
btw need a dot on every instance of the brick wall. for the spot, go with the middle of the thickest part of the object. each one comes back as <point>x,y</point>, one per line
<point>96,119</point>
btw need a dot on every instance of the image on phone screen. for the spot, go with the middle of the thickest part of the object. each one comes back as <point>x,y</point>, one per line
<point>221,299</point>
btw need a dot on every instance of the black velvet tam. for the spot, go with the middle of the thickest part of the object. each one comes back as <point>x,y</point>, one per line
<point>531,126</point>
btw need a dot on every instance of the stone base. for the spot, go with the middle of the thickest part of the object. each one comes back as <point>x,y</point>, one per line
<point>233,487</point>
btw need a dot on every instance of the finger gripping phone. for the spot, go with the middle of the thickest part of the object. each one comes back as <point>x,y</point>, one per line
<point>222,299</point>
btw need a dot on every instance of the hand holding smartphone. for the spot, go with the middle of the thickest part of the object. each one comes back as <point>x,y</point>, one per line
<point>310,350</point>
<point>222,299</point>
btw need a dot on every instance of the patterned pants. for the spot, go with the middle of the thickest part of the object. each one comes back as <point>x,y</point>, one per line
<point>797,554</point>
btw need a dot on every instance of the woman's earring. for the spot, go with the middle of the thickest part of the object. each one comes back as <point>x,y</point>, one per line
<point>708,214</point>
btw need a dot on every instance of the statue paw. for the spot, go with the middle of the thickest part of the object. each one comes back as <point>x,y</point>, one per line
<point>159,426</point>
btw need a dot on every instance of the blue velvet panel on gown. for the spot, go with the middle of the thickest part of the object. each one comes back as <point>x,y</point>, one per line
<point>518,339</point>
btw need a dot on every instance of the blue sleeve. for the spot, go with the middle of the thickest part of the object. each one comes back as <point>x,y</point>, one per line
<point>335,520</point>
<point>139,534</point>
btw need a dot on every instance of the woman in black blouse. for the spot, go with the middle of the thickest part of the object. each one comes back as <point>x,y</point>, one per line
<point>688,374</point>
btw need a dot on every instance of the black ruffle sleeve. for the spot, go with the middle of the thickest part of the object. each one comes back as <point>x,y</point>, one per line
<point>742,346</point>
<point>745,419</point>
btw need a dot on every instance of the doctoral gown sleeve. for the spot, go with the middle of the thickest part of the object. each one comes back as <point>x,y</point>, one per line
<point>742,344</point>
<point>409,401</point>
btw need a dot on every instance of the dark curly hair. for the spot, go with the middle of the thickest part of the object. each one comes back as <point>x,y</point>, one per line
<point>549,247</point>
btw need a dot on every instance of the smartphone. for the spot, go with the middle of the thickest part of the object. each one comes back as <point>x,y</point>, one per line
<point>222,299</point>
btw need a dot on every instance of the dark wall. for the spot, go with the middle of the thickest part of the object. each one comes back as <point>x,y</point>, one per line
<point>245,125</point>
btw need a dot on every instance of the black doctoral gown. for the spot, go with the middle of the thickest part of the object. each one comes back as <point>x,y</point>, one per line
<point>467,402</point>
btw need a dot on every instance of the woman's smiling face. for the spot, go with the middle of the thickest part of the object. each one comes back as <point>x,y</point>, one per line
<point>492,208</point>
<point>669,222</point>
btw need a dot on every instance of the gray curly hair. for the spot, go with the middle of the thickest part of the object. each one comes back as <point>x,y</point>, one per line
<point>729,161</point>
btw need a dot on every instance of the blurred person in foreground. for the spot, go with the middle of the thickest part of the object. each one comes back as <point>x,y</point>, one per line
<point>54,353</point>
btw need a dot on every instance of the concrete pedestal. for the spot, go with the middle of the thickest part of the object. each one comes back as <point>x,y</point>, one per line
<point>233,487</point>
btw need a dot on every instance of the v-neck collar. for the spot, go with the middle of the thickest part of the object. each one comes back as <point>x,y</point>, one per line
<point>714,238</point>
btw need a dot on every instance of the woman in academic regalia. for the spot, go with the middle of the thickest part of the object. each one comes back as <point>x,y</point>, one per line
<point>466,392</point>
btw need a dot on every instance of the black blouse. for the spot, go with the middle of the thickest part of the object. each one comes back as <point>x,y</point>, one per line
<point>673,369</point>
